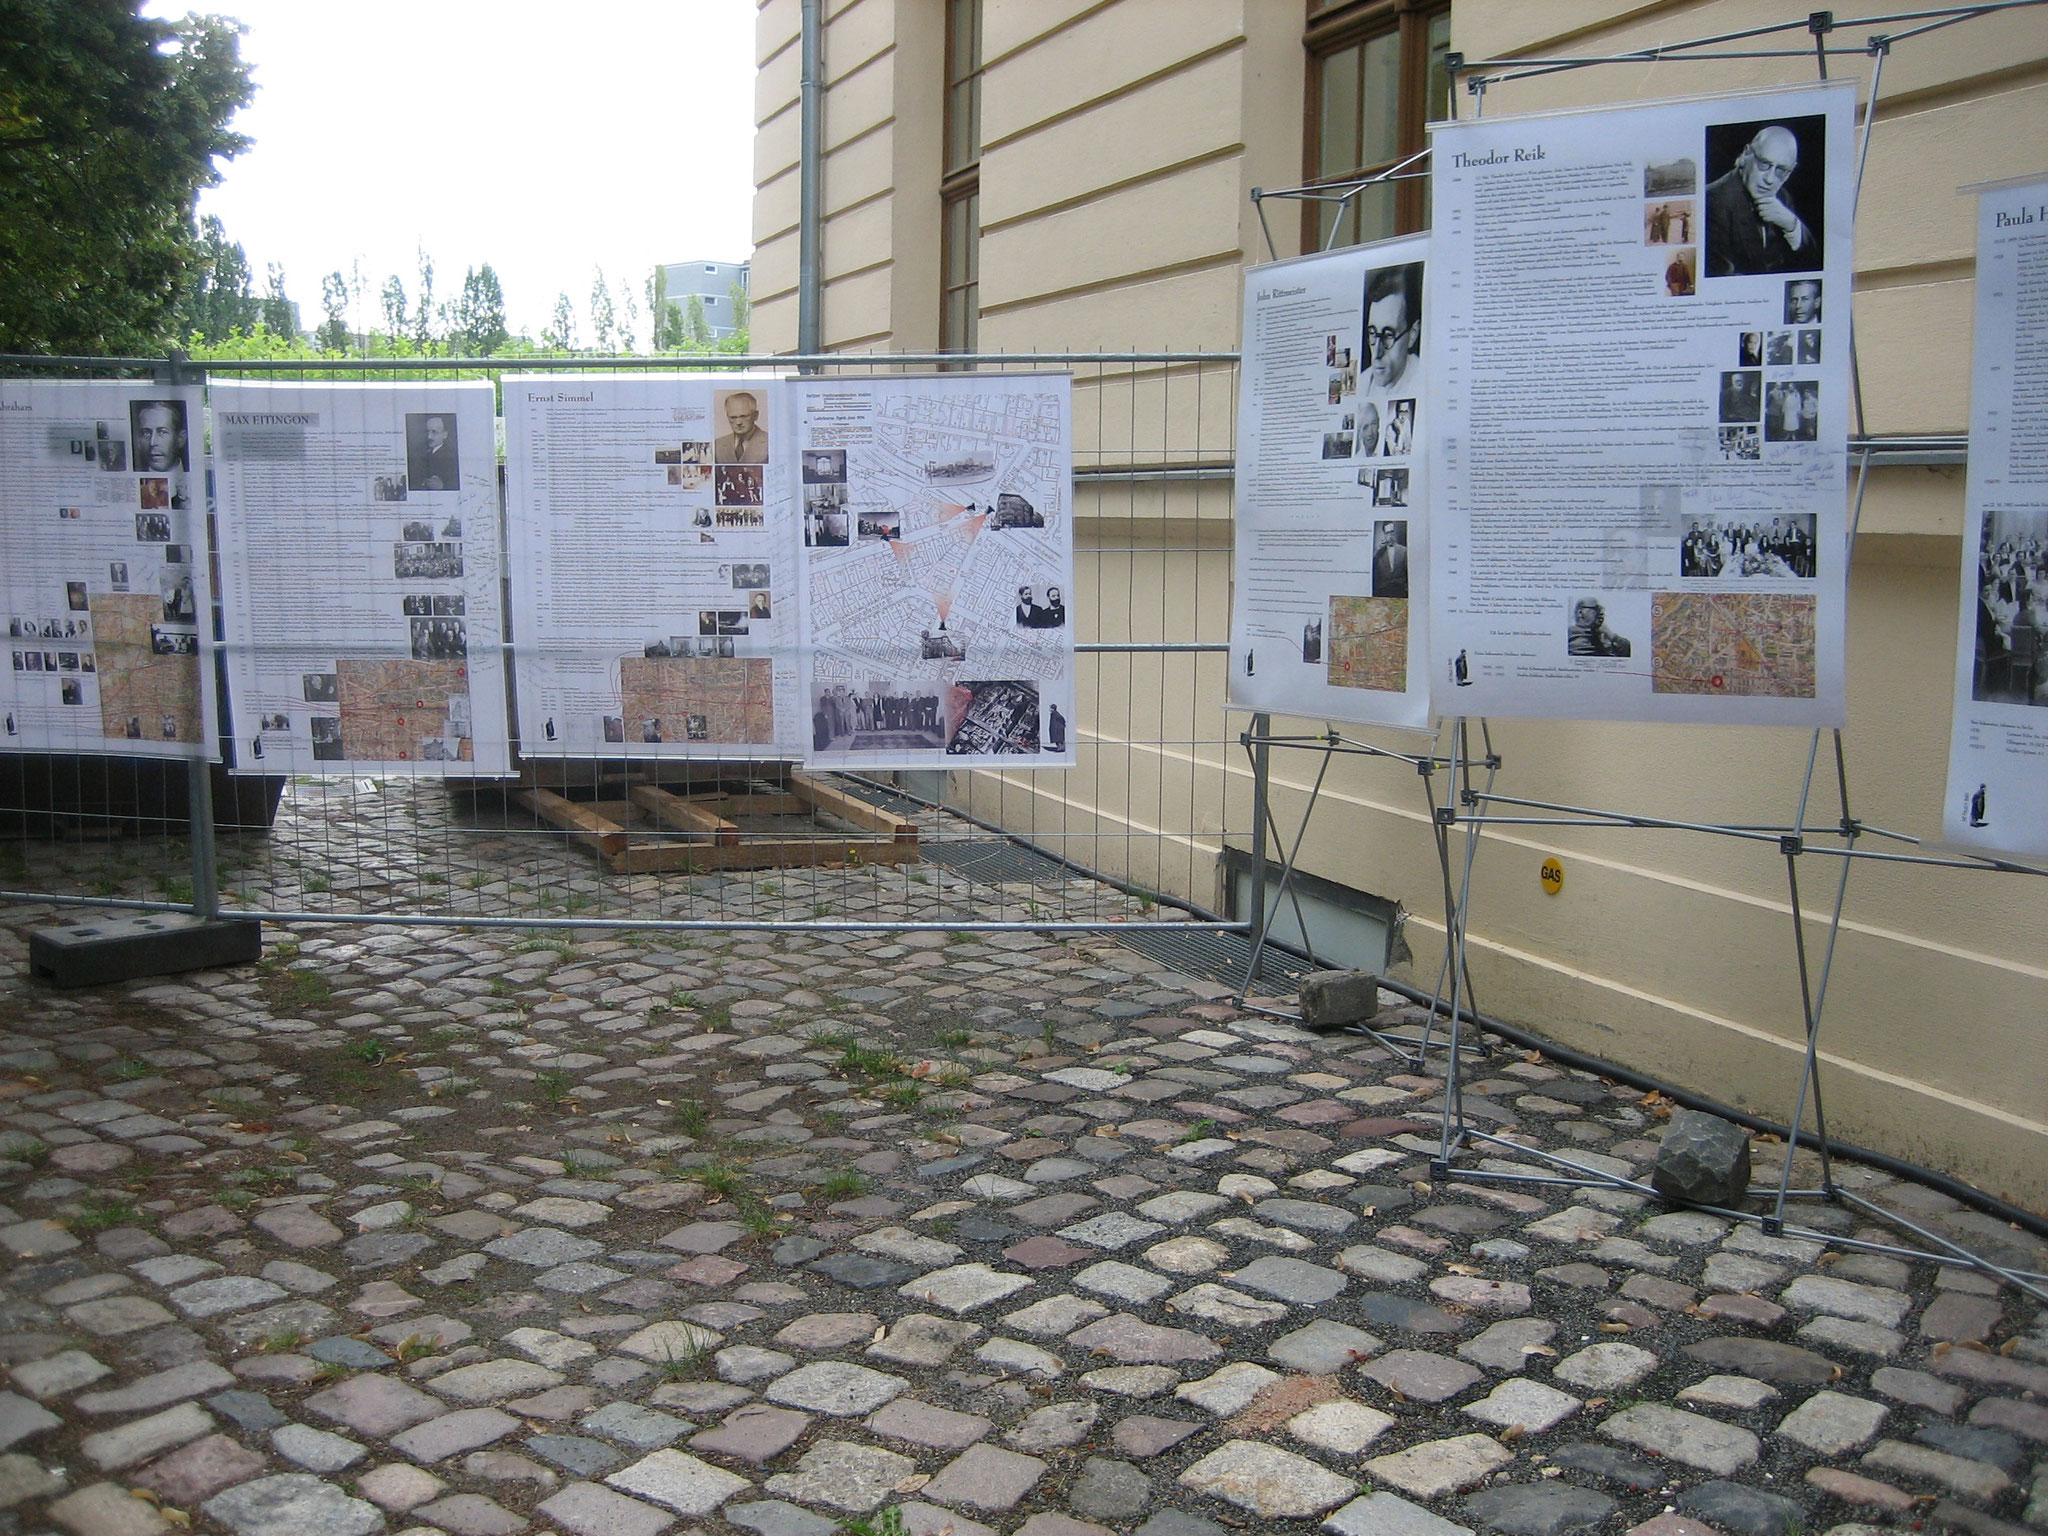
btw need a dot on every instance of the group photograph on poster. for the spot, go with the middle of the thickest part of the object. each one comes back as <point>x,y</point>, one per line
<point>338,660</point>
<point>1684,559</point>
<point>103,580</point>
<point>1997,796</point>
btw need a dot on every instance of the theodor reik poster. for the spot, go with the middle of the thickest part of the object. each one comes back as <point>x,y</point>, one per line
<point>359,560</point>
<point>938,570</point>
<point>1998,745</point>
<point>1332,557</point>
<point>1641,316</point>
<point>654,567</point>
<point>109,623</point>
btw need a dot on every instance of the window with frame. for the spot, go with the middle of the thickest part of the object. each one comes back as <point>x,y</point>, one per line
<point>960,183</point>
<point>1376,76</point>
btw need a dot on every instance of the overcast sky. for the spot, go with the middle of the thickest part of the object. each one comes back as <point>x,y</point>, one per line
<point>545,138</point>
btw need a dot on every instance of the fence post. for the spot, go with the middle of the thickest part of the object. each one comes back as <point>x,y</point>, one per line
<point>1262,727</point>
<point>198,772</point>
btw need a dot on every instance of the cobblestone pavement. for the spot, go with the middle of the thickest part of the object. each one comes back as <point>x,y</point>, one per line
<point>621,1235</point>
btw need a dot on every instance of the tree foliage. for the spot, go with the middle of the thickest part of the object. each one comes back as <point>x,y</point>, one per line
<point>218,300</point>
<point>333,335</point>
<point>109,126</point>
<point>477,323</point>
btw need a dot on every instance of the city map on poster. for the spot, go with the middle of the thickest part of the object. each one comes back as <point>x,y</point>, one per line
<point>1638,323</point>
<point>359,565</point>
<point>938,563</point>
<point>1329,618</point>
<point>105,580</point>
<point>1998,742</point>
<point>654,570</point>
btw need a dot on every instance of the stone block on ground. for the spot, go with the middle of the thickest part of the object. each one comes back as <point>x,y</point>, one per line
<point>1333,999</point>
<point>1703,1159</point>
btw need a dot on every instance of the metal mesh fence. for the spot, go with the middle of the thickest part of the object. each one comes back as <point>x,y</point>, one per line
<point>1133,835</point>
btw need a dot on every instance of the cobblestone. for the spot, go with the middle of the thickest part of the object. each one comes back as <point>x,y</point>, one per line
<point>735,1281</point>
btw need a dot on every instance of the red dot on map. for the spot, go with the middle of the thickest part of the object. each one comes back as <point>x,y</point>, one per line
<point>403,756</point>
<point>1717,681</point>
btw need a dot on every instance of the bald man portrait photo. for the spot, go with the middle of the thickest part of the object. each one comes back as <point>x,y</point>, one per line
<point>1764,210</point>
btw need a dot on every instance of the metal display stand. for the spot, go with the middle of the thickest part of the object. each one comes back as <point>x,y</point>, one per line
<point>1474,806</point>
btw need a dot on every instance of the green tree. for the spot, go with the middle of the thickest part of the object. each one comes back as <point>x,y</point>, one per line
<point>742,308</point>
<point>478,323</point>
<point>423,305</point>
<point>603,320</point>
<point>391,300</point>
<point>696,328</point>
<point>333,334</point>
<point>218,301</point>
<point>560,334</point>
<point>279,314</point>
<point>109,126</point>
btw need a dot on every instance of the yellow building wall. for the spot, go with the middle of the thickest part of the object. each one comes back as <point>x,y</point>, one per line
<point>1122,141</point>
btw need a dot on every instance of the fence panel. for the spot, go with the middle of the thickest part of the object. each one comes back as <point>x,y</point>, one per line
<point>1133,836</point>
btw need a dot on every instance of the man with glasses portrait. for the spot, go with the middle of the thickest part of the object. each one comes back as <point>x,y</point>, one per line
<point>1751,224</point>
<point>1393,333</point>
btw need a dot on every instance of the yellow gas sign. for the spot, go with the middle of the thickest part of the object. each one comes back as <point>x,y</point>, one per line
<point>1552,876</point>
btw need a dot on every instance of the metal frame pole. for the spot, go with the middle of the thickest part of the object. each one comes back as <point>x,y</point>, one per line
<point>810,176</point>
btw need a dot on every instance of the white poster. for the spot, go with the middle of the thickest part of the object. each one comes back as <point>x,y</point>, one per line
<point>109,623</point>
<point>654,571</point>
<point>1640,321</point>
<point>1998,745</point>
<point>1331,580</point>
<point>939,570</point>
<point>359,571</point>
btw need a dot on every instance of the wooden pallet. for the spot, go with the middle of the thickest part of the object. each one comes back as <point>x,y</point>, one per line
<point>656,831</point>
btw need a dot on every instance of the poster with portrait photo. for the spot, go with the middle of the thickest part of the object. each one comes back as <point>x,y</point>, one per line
<point>713,487</point>
<point>307,481</point>
<point>1331,579</point>
<point>1997,798</point>
<point>1543,489</point>
<point>99,568</point>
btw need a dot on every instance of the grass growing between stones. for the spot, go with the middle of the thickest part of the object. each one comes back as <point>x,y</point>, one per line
<point>98,1212</point>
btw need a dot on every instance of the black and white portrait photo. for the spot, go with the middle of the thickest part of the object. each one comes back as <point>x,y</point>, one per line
<point>1588,634</point>
<point>1336,445</point>
<point>748,575</point>
<point>1033,614</point>
<point>1390,558</point>
<point>1765,196</point>
<point>152,528</point>
<point>1749,350</point>
<point>1390,488</point>
<point>1802,301</point>
<point>432,457</point>
<point>320,687</point>
<point>1312,642</point>
<point>326,731</point>
<point>745,440</point>
<point>1742,395</point>
<point>157,429</point>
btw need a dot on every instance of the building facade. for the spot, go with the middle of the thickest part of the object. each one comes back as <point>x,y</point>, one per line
<point>711,283</point>
<point>1056,175</point>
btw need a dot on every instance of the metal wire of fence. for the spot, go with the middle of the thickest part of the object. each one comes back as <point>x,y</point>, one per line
<point>1132,836</point>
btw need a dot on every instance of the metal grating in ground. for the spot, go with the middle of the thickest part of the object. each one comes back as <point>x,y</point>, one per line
<point>1217,956</point>
<point>995,861</point>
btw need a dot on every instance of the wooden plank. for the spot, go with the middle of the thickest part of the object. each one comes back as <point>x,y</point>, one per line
<point>608,838</point>
<point>848,808</point>
<point>808,852</point>
<point>682,815</point>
